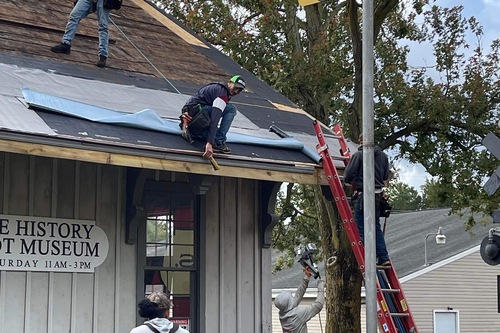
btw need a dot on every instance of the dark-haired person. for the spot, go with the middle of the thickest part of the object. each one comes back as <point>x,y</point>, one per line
<point>155,310</point>
<point>214,99</point>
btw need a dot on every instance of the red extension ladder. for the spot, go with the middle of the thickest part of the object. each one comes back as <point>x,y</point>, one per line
<point>393,313</point>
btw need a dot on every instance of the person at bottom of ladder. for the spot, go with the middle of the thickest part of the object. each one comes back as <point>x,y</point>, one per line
<point>292,317</point>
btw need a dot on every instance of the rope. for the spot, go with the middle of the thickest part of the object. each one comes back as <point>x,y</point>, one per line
<point>145,57</point>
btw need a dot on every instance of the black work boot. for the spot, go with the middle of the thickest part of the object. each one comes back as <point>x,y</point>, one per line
<point>101,62</point>
<point>61,48</point>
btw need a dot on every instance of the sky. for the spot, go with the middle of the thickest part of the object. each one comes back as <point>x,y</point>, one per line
<point>487,13</point>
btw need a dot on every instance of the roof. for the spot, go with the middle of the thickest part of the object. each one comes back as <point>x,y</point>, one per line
<point>405,238</point>
<point>154,64</point>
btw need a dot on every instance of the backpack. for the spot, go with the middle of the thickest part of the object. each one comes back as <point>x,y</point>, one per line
<point>112,4</point>
<point>152,328</point>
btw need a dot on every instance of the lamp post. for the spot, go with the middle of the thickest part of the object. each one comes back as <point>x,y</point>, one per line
<point>440,239</point>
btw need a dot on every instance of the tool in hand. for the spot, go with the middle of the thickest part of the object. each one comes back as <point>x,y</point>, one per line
<point>306,259</point>
<point>186,118</point>
<point>214,163</point>
<point>385,210</point>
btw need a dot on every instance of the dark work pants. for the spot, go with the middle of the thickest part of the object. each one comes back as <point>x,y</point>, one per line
<point>381,248</point>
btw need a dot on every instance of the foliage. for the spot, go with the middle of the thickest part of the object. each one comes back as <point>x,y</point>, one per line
<point>296,227</point>
<point>404,197</point>
<point>436,194</point>
<point>156,230</point>
<point>435,115</point>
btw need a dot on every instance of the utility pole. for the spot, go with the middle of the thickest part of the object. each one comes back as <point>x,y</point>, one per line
<point>369,169</point>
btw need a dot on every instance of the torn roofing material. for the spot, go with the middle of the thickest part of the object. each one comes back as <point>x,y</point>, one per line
<point>147,119</point>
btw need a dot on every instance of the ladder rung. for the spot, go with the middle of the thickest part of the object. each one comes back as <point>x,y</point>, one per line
<point>400,314</point>
<point>320,149</point>
<point>340,158</point>
<point>391,291</point>
<point>383,267</point>
<point>333,136</point>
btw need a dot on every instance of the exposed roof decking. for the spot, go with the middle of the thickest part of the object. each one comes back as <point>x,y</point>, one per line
<point>32,27</point>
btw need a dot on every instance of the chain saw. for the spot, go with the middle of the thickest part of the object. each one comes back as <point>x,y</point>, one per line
<point>306,259</point>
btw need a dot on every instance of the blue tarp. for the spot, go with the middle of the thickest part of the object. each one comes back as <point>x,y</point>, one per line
<point>147,119</point>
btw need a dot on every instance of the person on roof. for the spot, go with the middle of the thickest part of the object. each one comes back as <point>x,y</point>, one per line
<point>212,103</point>
<point>155,309</point>
<point>354,174</point>
<point>292,317</point>
<point>81,9</point>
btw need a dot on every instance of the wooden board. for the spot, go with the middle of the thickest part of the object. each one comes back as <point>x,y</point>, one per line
<point>203,167</point>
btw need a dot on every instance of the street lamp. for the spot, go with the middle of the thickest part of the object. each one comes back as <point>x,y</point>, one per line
<point>440,239</point>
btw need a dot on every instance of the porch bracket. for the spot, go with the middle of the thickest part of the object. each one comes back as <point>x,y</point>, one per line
<point>269,192</point>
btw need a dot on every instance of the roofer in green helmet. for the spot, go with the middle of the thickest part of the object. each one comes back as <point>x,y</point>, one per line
<point>207,107</point>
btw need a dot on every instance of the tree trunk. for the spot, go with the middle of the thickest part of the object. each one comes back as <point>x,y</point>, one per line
<point>355,109</point>
<point>343,279</point>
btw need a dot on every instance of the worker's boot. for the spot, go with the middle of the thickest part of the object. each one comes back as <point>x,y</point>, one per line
<point>101,62</point>
<point>61,48</point>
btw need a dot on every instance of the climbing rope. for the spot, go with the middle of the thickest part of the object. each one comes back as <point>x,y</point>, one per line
<point>144,56</point>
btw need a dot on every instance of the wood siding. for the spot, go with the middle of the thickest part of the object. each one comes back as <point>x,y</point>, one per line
<point>56,302</point>
<point>234,298</point>
<point>233,295</point>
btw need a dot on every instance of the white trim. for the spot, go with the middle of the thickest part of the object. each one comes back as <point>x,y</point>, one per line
<point>439,264</point>
<point>457,319</point>
<point>310,292</point>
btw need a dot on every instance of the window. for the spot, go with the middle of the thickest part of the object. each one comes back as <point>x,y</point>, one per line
<point>446,321</point>
<point>170,263</point>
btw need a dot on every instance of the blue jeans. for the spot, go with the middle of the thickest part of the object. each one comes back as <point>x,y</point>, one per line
<point>80,11</point>
<point>225,123</point>
<point>380,246</point>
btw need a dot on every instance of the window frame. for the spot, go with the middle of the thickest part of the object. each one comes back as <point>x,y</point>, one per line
<point>171,190</point>
<point>435,314</point>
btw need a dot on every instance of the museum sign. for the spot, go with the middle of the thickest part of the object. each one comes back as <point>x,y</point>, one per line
<point>29,243</point>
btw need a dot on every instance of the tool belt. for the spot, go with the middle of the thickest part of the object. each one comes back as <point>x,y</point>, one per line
<point>198,119</point>
<point>381,203</point>
<point>112,4</point>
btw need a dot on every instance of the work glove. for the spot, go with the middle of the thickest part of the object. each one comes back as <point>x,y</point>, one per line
<point>307,273</point>
<point>321,285</point>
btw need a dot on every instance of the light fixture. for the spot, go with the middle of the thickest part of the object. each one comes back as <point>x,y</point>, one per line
<point>440,239</point>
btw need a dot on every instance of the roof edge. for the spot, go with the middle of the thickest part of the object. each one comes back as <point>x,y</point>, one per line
<point>86,152</point>
<point>439,264</point>
<point>162,17</point>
